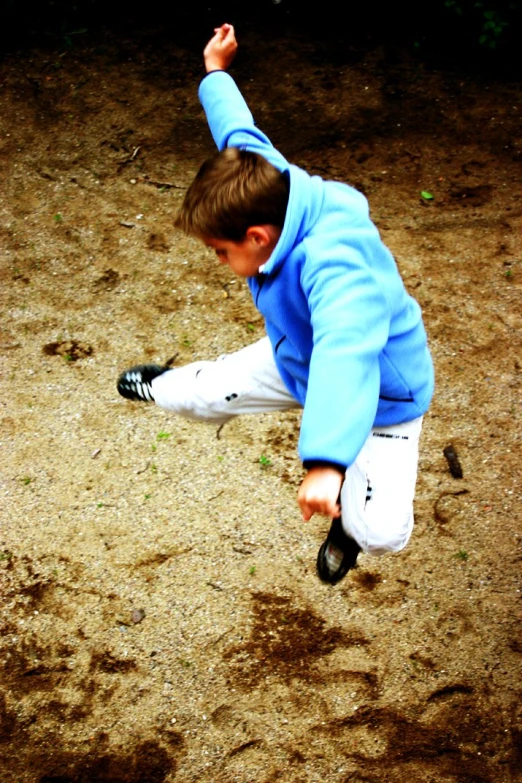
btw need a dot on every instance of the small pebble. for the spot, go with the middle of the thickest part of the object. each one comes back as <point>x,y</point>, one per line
<point>453,461</point>
<point>137,616</point>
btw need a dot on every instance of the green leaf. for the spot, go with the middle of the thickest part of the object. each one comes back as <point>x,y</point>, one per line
<point>427,195</point>
<point>462,555</point>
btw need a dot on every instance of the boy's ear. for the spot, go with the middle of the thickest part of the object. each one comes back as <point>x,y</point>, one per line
<point>259,235</point>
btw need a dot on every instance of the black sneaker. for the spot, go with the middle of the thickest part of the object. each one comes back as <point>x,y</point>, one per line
<point>337,555</point>
<point>135,384</point>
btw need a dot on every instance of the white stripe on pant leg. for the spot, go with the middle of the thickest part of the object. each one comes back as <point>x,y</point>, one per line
<point>246,381</point>
<point>388,464</point>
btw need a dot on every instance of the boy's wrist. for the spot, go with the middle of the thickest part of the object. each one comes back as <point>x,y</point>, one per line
<point>213,65</point>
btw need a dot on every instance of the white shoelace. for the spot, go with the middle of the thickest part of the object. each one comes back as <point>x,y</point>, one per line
<point>333,557</point>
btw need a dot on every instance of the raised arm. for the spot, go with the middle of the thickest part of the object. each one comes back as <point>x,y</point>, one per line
<point>229,118</point>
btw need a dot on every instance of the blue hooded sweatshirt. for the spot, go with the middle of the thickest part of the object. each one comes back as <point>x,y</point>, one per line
<point>347,338</point>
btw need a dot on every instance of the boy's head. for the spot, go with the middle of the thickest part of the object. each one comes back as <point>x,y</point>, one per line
<point>236,204</point>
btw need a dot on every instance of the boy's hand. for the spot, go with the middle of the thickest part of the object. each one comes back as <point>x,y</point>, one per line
<point>319,492</point>
<point>221,49</point>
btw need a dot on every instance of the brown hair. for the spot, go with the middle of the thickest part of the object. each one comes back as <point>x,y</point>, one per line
<point>232,191</point>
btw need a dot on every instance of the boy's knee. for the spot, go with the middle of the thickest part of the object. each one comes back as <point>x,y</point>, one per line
<point>382,536</point>
<point>391,535</point>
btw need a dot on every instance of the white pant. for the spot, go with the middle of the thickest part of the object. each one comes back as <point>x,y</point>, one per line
<point>379,487</point>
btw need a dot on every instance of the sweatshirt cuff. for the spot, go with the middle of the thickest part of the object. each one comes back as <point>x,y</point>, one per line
<point>214,70</point>
<point>322,463</point>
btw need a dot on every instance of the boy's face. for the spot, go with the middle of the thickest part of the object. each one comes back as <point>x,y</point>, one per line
<point>247,256</point>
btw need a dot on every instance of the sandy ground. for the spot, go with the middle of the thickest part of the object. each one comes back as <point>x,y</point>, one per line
<point>161,617</point>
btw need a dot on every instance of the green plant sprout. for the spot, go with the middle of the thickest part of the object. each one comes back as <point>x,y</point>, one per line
<point>427,196</point>
<point>264,461</point>
<point>491,21</point>
<point>162,435</point>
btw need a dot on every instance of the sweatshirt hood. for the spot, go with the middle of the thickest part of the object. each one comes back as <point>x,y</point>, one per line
<point>304,207</point>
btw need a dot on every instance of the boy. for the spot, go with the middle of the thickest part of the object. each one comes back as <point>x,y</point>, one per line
<point>344,339</point>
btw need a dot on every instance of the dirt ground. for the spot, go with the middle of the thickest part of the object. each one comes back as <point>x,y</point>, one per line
<point>161,619</point>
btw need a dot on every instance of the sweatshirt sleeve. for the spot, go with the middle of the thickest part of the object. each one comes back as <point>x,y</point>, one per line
<point>230,120</point>
<point>350,318</point>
